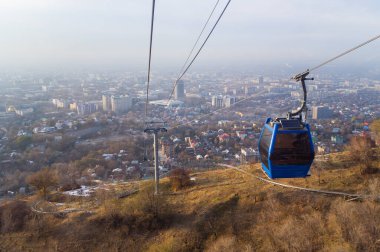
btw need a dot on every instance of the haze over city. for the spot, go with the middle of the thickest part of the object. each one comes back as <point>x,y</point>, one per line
<point>267,138</point>
<point>97,34</point>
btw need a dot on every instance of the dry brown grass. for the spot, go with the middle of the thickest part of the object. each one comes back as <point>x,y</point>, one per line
<point>223,211</point>
<point>359,224</point>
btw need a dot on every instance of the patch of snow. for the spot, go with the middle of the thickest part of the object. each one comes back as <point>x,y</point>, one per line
<point>84,191</point>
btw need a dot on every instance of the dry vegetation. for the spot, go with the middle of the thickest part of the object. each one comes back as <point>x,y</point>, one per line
<point>179,179</point>
<point>221,211</point>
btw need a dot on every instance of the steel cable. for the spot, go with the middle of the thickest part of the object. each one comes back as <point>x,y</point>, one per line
<point>302,188</point>
<point>150,59</point>
<point>199,50</point>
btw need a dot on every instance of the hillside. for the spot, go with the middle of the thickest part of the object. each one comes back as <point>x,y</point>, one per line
<point>223,210</point>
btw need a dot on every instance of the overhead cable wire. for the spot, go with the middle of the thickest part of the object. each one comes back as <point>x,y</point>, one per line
<point>150,58</point>
<point>148,78</point>
<point>314,68</point>
<point>196,55</point>
<point>199,36</point>
<point>344,53</point>
<point>341,54</point>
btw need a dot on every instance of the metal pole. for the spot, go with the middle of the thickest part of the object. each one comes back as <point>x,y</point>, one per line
<point>156,169</point>
<point>155,132</point>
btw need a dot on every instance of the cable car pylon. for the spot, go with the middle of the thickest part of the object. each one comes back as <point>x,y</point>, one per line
<point>155,131</point>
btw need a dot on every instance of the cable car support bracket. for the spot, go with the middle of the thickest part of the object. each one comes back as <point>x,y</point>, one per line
<point>301,77</point>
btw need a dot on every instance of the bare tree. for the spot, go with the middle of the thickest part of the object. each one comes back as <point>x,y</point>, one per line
<point>179,178</point>
<point>375,128</point>
<point>43,180</point>
<point>361,151</point>
<point>317,166</point>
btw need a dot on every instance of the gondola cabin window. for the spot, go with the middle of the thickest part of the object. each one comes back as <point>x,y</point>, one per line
<point>292,149</point>
<point>264,145</point>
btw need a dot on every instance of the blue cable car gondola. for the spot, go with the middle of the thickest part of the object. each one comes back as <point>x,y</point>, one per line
<point>285,146</point>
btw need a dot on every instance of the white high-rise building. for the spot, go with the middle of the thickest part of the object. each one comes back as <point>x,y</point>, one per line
<point>217,101</point>
<point>228,101</point>
<point>321,112</point>
<point>179,93</point>
<point>106,102</point>
<point>121,104</point>
<point>87,108</point>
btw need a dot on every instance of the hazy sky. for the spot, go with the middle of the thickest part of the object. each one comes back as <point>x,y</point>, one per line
<point>59,33</point>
